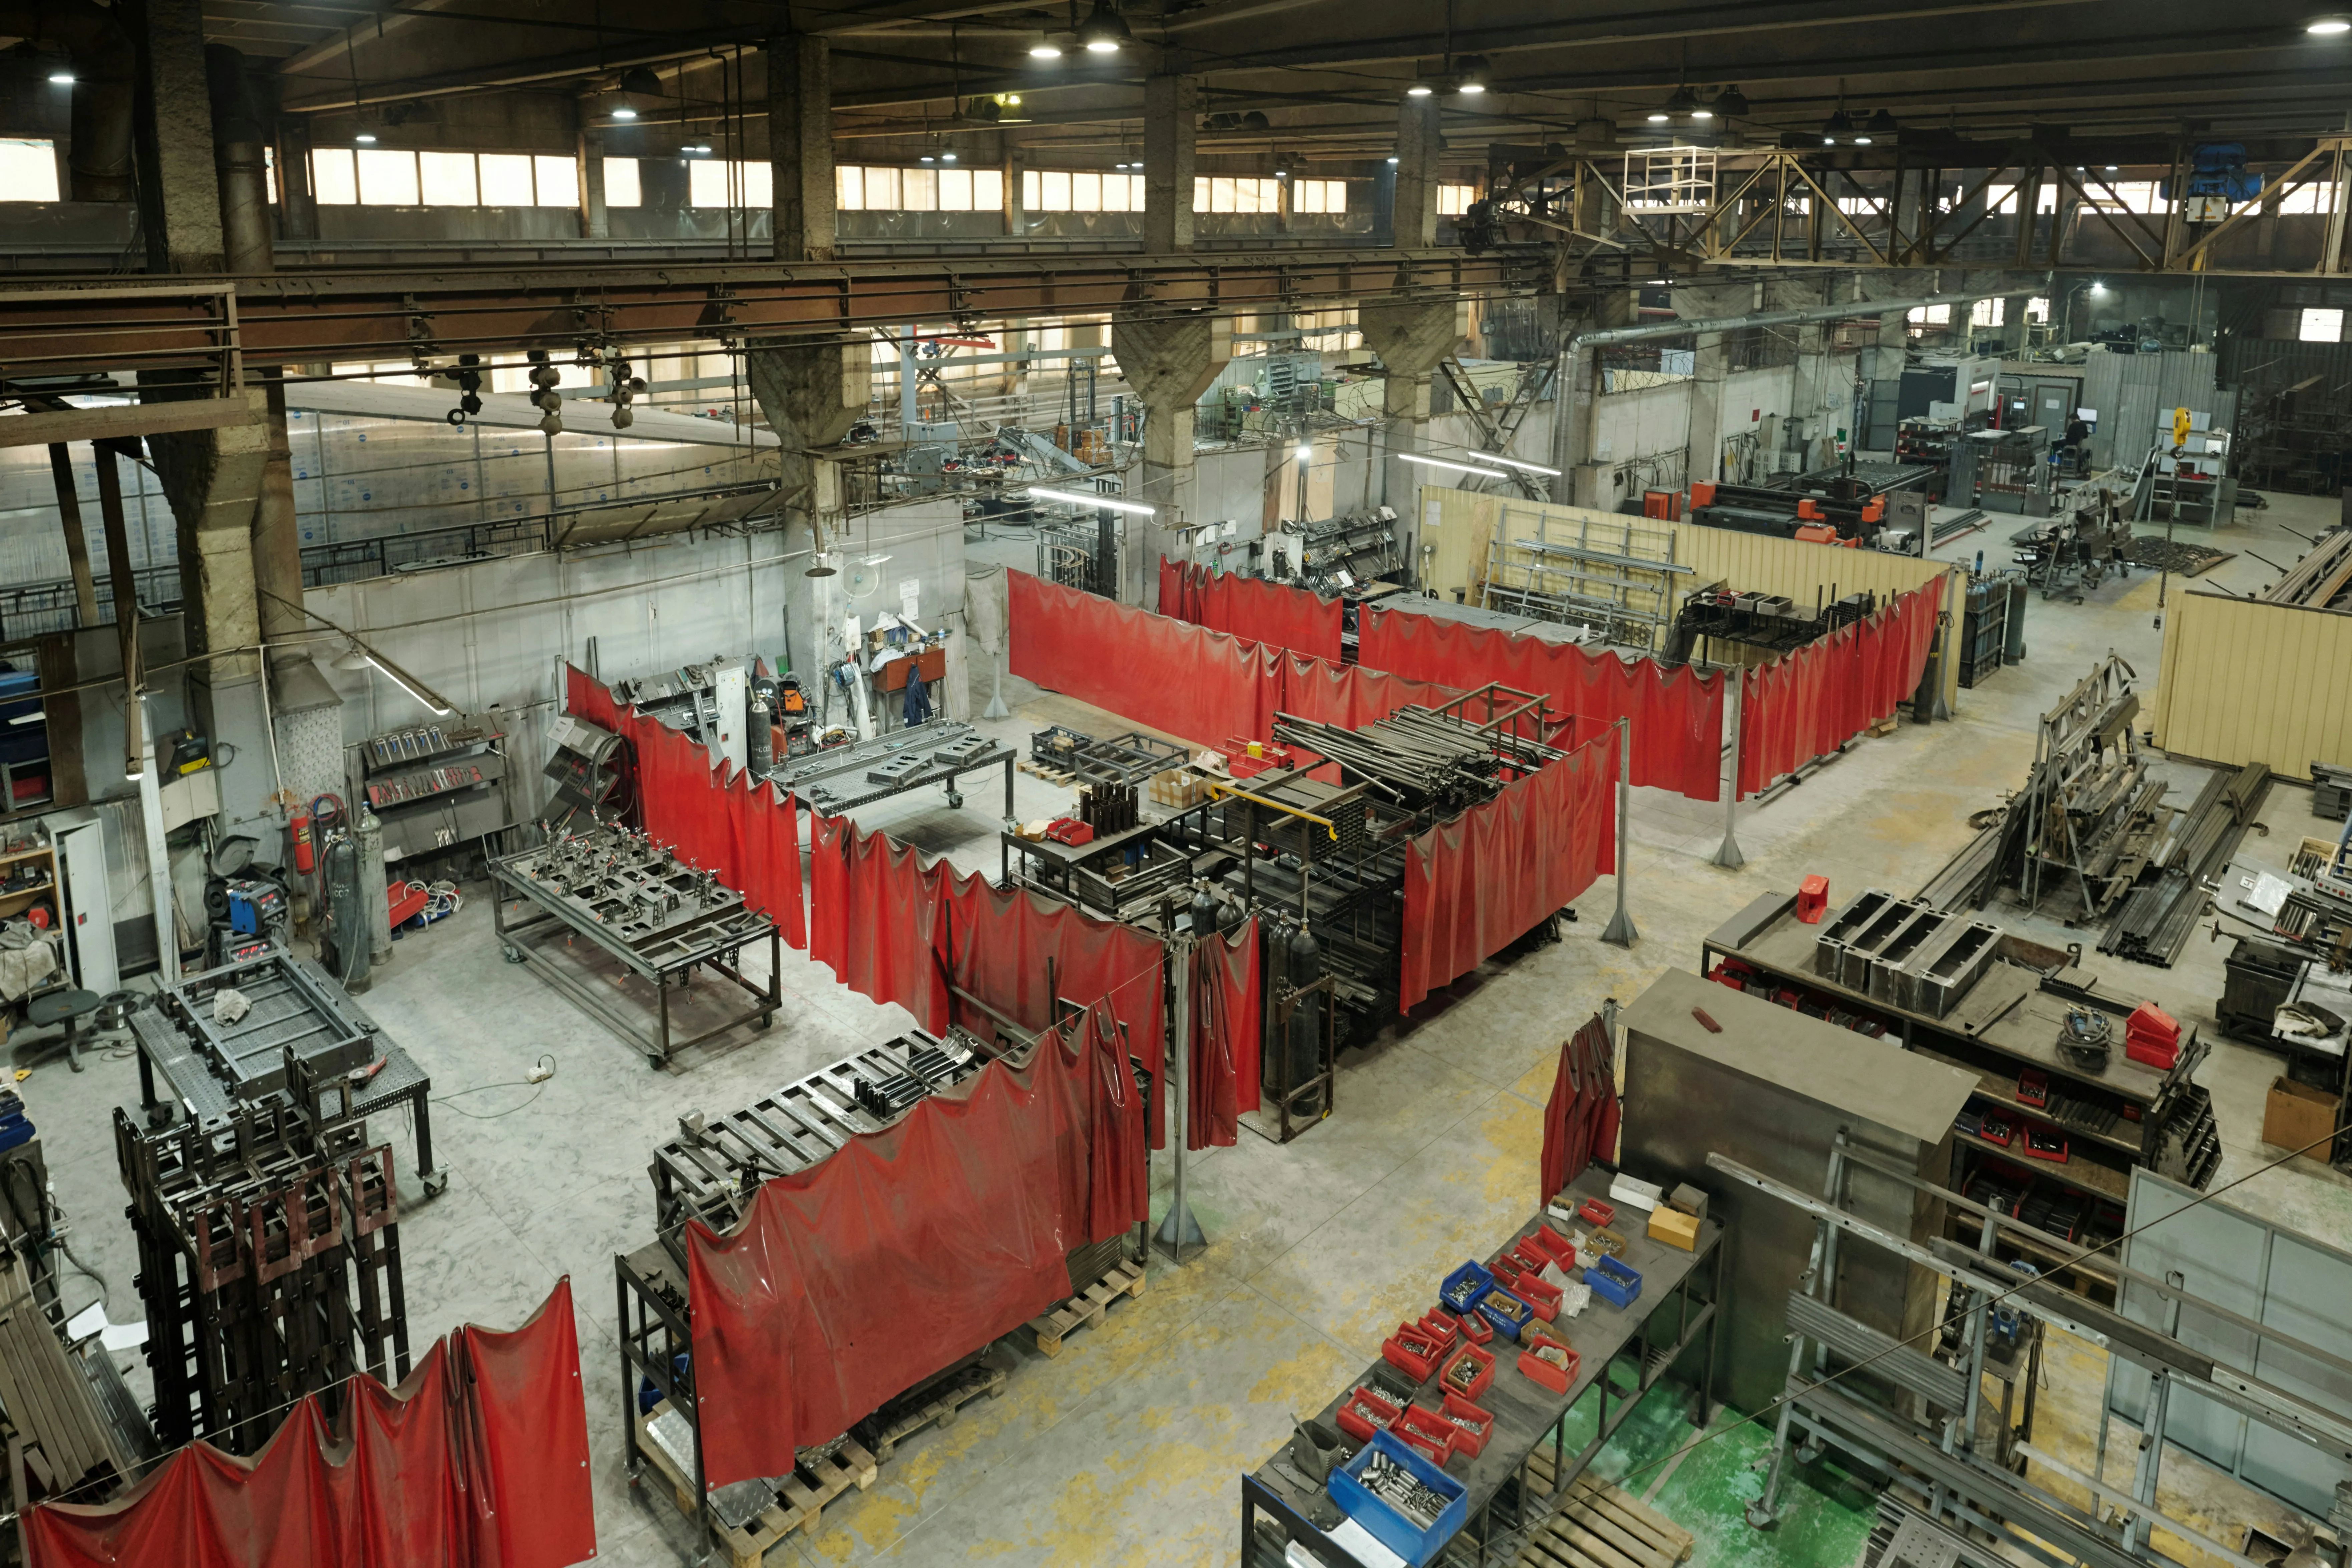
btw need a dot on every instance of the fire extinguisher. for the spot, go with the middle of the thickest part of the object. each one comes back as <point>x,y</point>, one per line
<point>299,824</point>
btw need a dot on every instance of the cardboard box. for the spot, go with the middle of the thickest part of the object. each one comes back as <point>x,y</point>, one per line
<point>1674,1228</point>
<point>2297,1114</point>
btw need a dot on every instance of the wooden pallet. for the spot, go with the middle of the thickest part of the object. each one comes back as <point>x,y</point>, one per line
<point>1085,1308</point>
<point>804,1496</point>
<point>1051,776</point>
<point>941,1409</point>
<point>1601,1526</point>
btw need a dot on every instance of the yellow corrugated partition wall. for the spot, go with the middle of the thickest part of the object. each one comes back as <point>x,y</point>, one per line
<point>2246,682</point>
<point>1453,526</point>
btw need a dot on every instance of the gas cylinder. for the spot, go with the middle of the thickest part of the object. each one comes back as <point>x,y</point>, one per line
<point>299,825</point>
<point>374,909</point>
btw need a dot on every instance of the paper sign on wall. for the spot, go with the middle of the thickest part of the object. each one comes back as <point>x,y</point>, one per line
<point>1433,513</point>
<point>911,594</point>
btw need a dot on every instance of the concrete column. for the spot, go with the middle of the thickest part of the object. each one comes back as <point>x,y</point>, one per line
<point>1016,210</point>
<point>1171,115</point>
<point>246,228</point>
<point>812,391</point>
<point>595,217</point>
<point>1576,408</point>
<point>1421,148</point>
<point>1703,455</point>
<point>1412,339</point>
<point>179,191</point>
<point>1169,362</point>
<point>800,146</point>
<point>297,202</point>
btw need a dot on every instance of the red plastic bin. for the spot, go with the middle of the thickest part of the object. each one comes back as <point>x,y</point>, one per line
<point>1470,1439</point>
<point>1403,1349</point>
<point>1598,1212</point>
<point>1474,1386</point>
<point>1556,1378</point>
<point>1437,1436</point>
<point>1364,1414</point>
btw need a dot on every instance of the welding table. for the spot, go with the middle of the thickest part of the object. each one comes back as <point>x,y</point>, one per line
<point>936,751</point>
<point>211,1067</point>
<point>667,957</point>
<point>1528,1415</point>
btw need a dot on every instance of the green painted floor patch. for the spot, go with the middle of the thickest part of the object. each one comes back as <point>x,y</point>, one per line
<point>1824,1518</point>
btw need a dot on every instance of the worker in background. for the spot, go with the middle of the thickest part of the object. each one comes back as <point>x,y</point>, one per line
<point>2078,444</point>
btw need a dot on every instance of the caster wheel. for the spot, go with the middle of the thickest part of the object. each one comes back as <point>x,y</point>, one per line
<point>510,954</point>
<point>437,1184</point>
<point>1757,1516</point>
<point>955,801</point>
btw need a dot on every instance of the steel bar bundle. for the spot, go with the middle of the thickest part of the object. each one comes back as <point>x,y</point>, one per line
<point>2153,923</point>
<point>1420,759</point>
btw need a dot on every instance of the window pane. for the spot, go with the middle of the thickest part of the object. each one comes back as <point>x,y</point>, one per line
<point>387,179</point>
<point>269,172</point>
<point>1221,193</point>
<point>1200,195</point>
<point>2323,326</point>
<point>918,189</point>
<point>988,190</point>
<point>1113,193</point>
<point>1032,194</point>
<point>759,184</point>
<point>706,182</point>
<point>1057,191</point>
<point>955,190</point>
<point>1306,195</point>
<point>849,188</point>
<point>558,181</point>
<point>506,179</point>
<point>1086,193</point>
<point>620,186</point>
<point>331,176</point>
<point>29,170</point>
<point>448,180</point>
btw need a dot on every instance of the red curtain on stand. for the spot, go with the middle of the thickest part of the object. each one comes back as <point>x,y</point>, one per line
<point>1580,1117</point>
<point>1352,695</point>
<point>1225,1019</point>
<point>478,1460</point>
<point>880,919</point>
<point>1677,715</point>
<point>1251,609</point>
<point>907,1249</point>
<point>1476,884</point>
<point>1809,703</point>
<point>1006,942</point>
<point>745,830</point>
<point>1199,686</point>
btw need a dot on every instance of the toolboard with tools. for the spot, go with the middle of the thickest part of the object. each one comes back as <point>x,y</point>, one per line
<point>2079,1079</point>
<point>1460,1428</point>
<point>936,752</point>
<point>245,1033</point>
<point>660,918</point>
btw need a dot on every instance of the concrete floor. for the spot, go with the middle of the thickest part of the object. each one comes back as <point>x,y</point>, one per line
<point>1126,1449</point>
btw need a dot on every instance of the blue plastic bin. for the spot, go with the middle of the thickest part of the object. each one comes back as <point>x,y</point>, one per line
<point>1503,1323</point>
<point>1387,1526</point>
<point>1473,1273</point>
<point>1613,1282</point>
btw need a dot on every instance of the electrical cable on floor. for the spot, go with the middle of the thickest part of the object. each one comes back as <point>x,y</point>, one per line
<point>1937,1329</point>
<point>541,1070</point>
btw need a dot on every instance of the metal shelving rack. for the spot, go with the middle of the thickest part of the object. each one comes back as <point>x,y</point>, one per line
<point>434,786</point>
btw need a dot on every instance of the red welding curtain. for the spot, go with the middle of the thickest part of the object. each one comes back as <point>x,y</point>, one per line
<point>1476,885</point>
<point>741,829</point>
<point>1225,1019</point>
<point>877,918</point>
<point>1349,695</point>
<point>1808,703</point>
<point>478,1460</point>
<point>909,1250</point>
<point>1252,609</point>
<point>1677,715</point>
<point>1006,942</point>
<point>1201,686</point>
<point>1580,1117</point>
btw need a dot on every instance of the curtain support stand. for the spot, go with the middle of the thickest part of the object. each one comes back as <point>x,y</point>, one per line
<point>1622,932</point>
<point>1735,683</point>
<point>1178,1230</point>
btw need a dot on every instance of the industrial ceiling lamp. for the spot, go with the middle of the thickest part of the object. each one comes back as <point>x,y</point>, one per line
<point>1659,117</point>
<point>1043,47</point>
<point>2318,27</point>
<point>1104,32</point>
<point>1730,101</point>
<point>641,82</point>
<point>1470,71</point>
<point>1836,128</point>
<point>818,568</point>
<point>1684,101</point>
<point>1419,90</point>
<point>1881,124</point>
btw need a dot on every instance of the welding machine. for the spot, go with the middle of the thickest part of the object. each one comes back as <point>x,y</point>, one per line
<point>255,906</point>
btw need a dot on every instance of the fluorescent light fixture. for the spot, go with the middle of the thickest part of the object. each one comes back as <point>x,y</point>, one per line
<point>1078,498</point>
<point>1457,467</point>
<point>1419,90</point>
<point>61,79</point>
<point>132,773</point>
<point>33,718</point>
<point>405,684</point>
<point>1514,463</point>
<point>699,149</point>
<point>2324,27</point>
